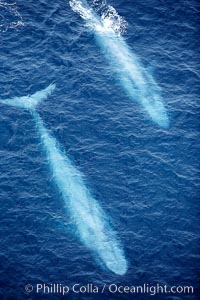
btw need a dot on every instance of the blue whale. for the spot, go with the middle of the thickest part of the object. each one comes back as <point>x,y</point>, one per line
<point>137,82</point>
<point>93,227</point>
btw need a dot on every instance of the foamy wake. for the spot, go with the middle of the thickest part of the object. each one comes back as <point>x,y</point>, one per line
<point>10,18</point>
<point>100,16</point>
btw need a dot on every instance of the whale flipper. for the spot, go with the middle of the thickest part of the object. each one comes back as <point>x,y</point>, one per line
<point>30,102</point>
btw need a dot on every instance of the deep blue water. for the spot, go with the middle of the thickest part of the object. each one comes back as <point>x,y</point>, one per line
<point>146,178</point>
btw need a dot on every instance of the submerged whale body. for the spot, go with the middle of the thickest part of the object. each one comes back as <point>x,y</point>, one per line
<point>92,225</point>
<point>138,83</point>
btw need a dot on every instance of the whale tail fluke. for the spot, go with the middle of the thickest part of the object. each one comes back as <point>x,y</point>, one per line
<point>30,102</point>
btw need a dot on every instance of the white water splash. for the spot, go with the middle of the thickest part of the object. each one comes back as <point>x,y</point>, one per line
<point>111,19</point>
<point>100,16</point>
<point>10,18</point>
<point>77,7</point>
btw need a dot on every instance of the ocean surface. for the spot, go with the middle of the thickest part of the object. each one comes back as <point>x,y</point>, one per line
<point>144,177</point>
